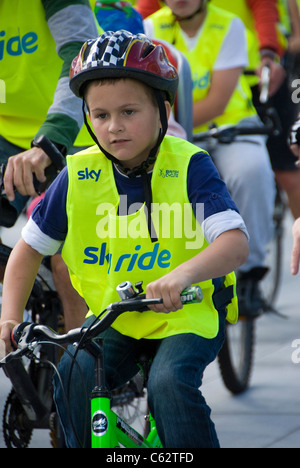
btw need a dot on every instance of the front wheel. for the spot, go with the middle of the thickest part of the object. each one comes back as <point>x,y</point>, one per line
<point>17,430</point>
<point>236,356</point>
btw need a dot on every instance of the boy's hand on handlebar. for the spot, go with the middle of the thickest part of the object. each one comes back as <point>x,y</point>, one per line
<point>169,288</point>
<point>20,169</point>
<point>6,329</point>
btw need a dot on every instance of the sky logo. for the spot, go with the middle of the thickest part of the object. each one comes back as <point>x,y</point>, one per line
<point>86,174</point>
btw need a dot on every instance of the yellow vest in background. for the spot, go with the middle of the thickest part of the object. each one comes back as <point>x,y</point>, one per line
<point>26,44</point>
<point>202,59</point>
<point>103,249</point>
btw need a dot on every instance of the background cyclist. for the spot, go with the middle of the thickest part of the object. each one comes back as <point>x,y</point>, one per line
<point>273,28</point>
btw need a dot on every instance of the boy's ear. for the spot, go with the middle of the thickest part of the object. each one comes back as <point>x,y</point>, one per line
<point>168,108</point>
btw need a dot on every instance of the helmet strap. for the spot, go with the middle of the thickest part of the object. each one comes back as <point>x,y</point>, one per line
<point>142,169</point>
<point>93,136</point>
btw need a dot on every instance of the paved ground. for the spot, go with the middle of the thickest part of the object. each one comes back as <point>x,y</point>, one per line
<point>268,414</point>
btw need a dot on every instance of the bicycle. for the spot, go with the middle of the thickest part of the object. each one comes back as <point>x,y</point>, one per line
<point>21,415</point>
<point>20,418</point>
<point>236,357</point>
<point>108,430</point>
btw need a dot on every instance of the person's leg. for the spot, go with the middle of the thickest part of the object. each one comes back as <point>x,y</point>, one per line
<point>282,158</point>
<point>175,401</point>
<point>246,169</point>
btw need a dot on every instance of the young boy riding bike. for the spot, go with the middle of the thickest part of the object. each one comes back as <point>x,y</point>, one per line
<point>109,207</point>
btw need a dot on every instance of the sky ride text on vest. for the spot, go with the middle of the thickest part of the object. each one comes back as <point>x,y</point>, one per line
<point>18,44</point>
<point>128,261</point>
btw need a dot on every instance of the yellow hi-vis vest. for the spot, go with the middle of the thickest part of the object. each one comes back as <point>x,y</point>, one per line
<point>103,249</point>
<point>202,59</point>
<point>30,69</point>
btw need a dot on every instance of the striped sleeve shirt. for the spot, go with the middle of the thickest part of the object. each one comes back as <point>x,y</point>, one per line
<point>71,23</point>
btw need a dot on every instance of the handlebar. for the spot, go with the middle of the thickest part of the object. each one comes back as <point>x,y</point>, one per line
<point>272,124</point>
<point>227,134</point>
<point>265,78</point>
<point>57,158</point>
<point>58,163</point>
<point>27,336</point>
<point>8,214</point>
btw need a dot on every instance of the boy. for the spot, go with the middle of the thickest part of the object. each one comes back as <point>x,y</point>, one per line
<point>101,207</point>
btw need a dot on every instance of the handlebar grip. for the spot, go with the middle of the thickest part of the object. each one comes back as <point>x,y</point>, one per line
<point>17,333</point>
<point>51,150</point>
<point>192,295</point>
<point>58,162</point>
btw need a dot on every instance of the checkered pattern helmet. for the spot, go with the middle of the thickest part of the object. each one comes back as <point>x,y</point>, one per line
<point>124,55</point>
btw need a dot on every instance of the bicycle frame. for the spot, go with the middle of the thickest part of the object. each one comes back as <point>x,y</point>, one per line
<point>108,430</point>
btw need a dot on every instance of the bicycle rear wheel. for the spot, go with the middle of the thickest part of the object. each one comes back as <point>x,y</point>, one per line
<point>130,403</point>
<point>236,356</point>
<point>271,282</point>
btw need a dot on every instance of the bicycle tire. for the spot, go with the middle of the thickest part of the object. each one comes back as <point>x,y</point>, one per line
<point>271,283</point>
<point>130,403</point>
<point>17,432</point>
<point>237,355</point>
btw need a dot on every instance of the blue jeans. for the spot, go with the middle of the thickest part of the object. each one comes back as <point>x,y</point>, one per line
<point>180,410</point>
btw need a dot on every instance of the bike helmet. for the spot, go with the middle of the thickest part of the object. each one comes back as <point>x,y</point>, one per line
<point>124,55</point>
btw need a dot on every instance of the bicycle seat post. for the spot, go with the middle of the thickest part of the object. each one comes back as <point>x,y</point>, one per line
<point>95,349</point>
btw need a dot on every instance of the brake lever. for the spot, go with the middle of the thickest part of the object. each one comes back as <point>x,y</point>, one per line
<point>17,354</point>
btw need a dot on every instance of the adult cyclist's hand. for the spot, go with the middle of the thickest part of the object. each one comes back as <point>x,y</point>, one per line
<point>6,327</point>
<point>20,169</point>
